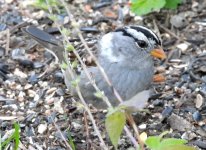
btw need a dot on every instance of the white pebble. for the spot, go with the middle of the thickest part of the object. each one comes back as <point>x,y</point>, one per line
<point>142,126</point>
<point>42,128</point>
<point>183,47</point>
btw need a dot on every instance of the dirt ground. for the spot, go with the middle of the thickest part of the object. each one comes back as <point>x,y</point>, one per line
<point>33,93</point>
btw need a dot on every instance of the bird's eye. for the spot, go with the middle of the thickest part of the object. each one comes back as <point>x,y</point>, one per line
<point>141,43</point>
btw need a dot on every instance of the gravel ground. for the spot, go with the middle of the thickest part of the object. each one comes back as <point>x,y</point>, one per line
<point>33,93</point>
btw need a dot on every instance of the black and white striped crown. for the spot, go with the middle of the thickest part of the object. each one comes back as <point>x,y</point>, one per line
<point>147,32</point>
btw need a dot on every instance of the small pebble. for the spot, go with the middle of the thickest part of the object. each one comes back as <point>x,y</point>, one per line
<point>185,77</point>
<point>33,79</point>
<point>19,73</point>
<point>199,101</point>
<point>43,84</point>
<point>31,93</point>
<point>21,96</point>
<point>42,128</point>
<point>160,69</point>
<point>200,144</point>
<point>142,126</point>
<point>76,125</point>
<point>27,86</point>
<point>59,77</point>
<point>48,55</point>
<point>49,101</point>
<point>188,135</point>
<point>51,90</point>
<point>17,54</point>
<point>51,117</point>
<point>60,92</point>
<point>167,111</point>
<point>183,47</point>
<point>3,27</point>
<point>30,131</point>
<point>26,63</point>
<point>38,65</point>
<point>158,102</point>
<point>178,21</point>
<point>197,116</point>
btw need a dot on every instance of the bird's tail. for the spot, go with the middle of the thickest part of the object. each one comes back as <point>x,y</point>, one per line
<point>47,40</point>
<point>50,42</point>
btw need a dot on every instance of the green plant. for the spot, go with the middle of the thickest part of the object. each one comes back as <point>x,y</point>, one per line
<point>115,121</point>
<point>42,4</point>
<point>14,137</point>
<point>142,7</point>
<point>160,143</point>
<point>71,141</point>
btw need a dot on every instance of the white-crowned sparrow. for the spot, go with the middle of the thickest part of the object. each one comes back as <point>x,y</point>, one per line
<point>126,57</point>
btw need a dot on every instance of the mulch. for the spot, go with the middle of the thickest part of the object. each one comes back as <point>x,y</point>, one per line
<point>33,93</point>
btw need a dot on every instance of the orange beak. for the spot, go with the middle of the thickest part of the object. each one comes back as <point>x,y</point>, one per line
<point>158,53</point>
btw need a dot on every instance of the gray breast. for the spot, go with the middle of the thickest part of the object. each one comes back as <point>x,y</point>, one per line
<point>127,82</point>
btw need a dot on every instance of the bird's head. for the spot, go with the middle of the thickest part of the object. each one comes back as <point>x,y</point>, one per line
<point>134,43</point>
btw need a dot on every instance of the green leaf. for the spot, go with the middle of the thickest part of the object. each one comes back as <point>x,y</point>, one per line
<point>142,7</point>
<point>158,143</point>
<point>173,141</point>
<point>71,141</point>
<point>16,135</point>
<point>75,82</point>
<point>74,64</point>
<point>99,94</point>
<point>177,147</point>
<point>64,65</point>
<point>7,141</point>
<point>53,17</point>
<point>65,31</point>
<point>69,47</point>
<point>42,4</point>
<point>112,110</point>
<point>172,4</point>
<point>114,125</point>
<point>153,142</point>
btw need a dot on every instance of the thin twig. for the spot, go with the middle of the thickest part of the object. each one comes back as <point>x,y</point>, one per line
<point>87,130</point>
<point>100,68</point>
<point>136,130</point>
<point>79,92</point>
<point>168,31</point>
<point>103,145</point>
<point>65,141</point>
<point>129,134</point>
<point>173,34</point>
<point>105,99</point>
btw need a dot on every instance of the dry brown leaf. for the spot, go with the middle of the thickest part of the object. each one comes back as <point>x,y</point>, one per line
<point>159,78</point>
<point>88,8</point>
<point>110,14</point>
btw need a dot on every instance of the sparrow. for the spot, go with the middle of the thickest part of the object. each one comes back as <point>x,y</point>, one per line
<point>126,55</point>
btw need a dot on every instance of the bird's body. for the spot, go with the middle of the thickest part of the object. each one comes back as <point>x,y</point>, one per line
<point>127,82</point>
<point>125,57</point>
